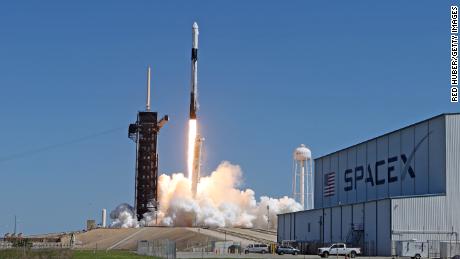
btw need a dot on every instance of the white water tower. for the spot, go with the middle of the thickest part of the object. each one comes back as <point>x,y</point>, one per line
<point>303,181</point>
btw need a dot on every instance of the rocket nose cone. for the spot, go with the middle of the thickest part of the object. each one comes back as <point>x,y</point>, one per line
<point>195,25</point>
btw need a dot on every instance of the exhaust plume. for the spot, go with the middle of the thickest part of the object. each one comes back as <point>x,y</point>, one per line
<point>218,203</point>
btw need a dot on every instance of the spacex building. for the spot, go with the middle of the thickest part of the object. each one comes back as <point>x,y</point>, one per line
<point>403,185</point>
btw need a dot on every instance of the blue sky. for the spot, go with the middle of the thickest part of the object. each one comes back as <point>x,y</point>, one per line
<point>272,75</point>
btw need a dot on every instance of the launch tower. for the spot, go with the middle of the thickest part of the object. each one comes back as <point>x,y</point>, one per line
<point>144,132</point>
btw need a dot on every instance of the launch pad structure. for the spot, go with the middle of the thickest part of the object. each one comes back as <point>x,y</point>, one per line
<point>144,132</point>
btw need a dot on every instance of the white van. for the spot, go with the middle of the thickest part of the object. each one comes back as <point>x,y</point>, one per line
<point>256,248</point>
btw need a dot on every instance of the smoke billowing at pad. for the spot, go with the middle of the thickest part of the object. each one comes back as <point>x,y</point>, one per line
<point>192,200</point>
<point>218,203</point>
<point>123,216</point>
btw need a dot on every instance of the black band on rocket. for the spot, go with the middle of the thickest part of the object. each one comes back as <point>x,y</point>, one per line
<point>194,54</point>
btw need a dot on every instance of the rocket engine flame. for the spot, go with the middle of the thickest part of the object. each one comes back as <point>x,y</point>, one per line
<point>192,131</point>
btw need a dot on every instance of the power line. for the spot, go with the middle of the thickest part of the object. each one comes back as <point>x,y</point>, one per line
<point>57,145</point>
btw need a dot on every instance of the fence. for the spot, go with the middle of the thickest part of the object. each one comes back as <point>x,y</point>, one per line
<point>227,247</point>
<point>443,249</point>
<point>434,248</point>
<point>449,249</point>
<point>34,245</point>
<point>209,247</point>
<point>50,245</point>
<point>5,245</point>
<point>160,248</point>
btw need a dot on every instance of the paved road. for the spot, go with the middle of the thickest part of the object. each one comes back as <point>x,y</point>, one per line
<point>268,256</point>
<point>269,236</point>
<point>220,236</point>
<point>197,255</point>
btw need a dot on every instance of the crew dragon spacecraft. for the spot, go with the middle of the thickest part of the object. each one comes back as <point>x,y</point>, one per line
<point>195,140</point>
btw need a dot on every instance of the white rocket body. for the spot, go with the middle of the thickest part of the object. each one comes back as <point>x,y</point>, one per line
<point>193,110</point>
<point>194,81</point>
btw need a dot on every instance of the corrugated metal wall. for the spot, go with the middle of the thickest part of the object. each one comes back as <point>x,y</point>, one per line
<point>370,227</point>
<point>410,217</point>
<point>337,222</point>
<point>284,227</point>
<point>358,213</point>
<point>453,170</point>
<point>307,227</point>
<point>347,220</point>
<point>433,209</point>
<point>318,196</point>
<point>327,225</point>
<point>407,162</point>
<point>437,213</point>
<point>421,217</point>
<point>436,167</point>
<point>383,228</point>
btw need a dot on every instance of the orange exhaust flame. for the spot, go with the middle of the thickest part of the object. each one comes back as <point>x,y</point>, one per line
<point>192,131</point>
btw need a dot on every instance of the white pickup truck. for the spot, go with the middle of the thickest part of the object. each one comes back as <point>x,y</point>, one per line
<point>338,249</point>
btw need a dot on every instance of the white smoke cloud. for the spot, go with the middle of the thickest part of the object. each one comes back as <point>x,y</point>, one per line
<point>218,203</point>
<point>123,217</point>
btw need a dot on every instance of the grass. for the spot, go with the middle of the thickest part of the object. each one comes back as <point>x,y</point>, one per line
<point>67,254</point>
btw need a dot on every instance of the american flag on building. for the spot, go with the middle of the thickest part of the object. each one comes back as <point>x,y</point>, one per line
<point>329,184</point>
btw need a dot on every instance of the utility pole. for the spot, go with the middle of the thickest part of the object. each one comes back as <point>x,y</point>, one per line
<point>268,217</point>
<point>15,224</point>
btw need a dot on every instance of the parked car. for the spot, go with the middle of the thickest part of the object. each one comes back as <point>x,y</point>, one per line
<point>338,249</point>
<point>281,250</point>
<point>256,248</point>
